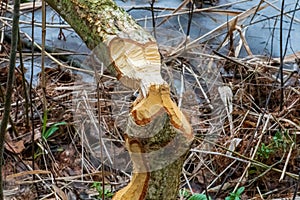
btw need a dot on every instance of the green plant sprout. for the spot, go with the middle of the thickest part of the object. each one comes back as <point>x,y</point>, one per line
<point>184,193</point>
<point>235,195</point>
<point>46,133</point>
<point>199,197</point>
<point>279,141</point>
<point>50,131</point>
<point>98,186</point>
<point>265,151</point>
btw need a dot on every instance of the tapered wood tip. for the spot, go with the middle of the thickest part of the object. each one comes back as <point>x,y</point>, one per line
<point>157,102</point>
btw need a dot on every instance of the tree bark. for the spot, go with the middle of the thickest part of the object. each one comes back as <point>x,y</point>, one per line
<point>158,136</point>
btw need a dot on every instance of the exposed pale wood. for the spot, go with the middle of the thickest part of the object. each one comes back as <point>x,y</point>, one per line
<point>164,136</point>
<point>137,65</point>
<point>158,135</point>
<point>131,52</point>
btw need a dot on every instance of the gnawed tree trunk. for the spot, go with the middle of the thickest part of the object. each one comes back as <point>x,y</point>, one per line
<point>158,136</point>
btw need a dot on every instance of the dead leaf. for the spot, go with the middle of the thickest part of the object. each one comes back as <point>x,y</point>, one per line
<point>15,147</point>
<point>60,192</point>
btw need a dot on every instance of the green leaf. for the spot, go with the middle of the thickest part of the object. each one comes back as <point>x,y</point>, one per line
<point>45,119</point>
<point>240,191</point>
<point>98,186</point>
<point>199,197</point>
<point>59,123</point>
<point>184,193</point>
<point>52,130</point>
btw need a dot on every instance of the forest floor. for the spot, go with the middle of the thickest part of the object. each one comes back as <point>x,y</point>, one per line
<point>246,123</point>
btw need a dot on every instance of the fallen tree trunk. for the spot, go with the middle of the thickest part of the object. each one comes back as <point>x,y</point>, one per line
<point>158,136</point>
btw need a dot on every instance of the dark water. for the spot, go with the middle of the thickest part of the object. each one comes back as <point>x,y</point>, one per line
<point>262,30</point>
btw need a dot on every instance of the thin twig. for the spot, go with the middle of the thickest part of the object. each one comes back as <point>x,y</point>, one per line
<point>9,86</point>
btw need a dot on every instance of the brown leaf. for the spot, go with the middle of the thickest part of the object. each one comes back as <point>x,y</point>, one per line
<point>15,147</point>
<point>60,192</point>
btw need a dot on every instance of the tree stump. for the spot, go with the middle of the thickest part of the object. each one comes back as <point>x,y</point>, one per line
<point>158,136</point>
